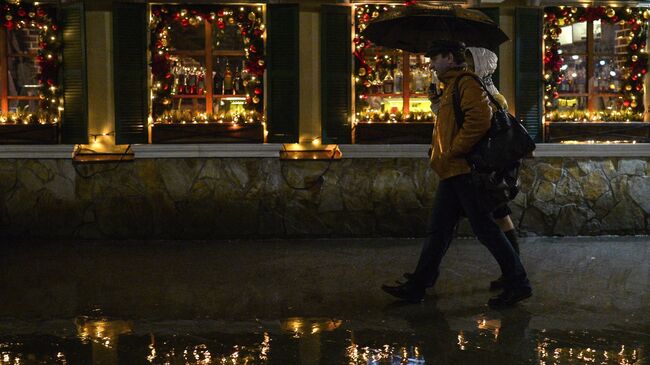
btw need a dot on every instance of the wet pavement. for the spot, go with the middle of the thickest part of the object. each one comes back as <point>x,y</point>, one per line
<point>318,302</point>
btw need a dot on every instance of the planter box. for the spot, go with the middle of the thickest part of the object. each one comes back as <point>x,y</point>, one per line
<point>602,131</point>
<point>392,133</point>
<point>29,134</point>
<point>208,133</point>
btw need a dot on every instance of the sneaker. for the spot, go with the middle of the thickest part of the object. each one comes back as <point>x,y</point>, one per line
<point>406,291</point>
<point>510,297</point>
<point>498,284</point>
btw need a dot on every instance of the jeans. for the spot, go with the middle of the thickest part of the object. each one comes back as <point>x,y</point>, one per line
<point>455,195</point>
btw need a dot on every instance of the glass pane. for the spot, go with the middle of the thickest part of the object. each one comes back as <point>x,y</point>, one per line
<point>420,75</point>
<point>23,72</point>
<point>22,40</point>
<point>573,38</point>
<point>227,36</point>
<point>188,107</point>
<point>227,107</point>
<point>23,105</point>
<point>605,35</point>
<point>189,75</point>
<point>228,76</point>
<point>575,71</point>
<point>607,77</point>
<point>187,38</point>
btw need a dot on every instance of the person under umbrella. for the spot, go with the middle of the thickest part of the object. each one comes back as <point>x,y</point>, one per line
<point>456,190</point>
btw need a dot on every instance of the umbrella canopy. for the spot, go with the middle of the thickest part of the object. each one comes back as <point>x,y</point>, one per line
<point>412,28</point>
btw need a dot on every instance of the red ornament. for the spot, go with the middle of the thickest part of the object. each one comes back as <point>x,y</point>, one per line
<point>643,71</point>
<point>257,32</point>
<point>634,77</point>
<point>639,87</point>
<point>41,12</point>
<point>185,22</point>
<point>365,18</point>
<point>252,48</point>
<point>244,32</point>
<point>258,91</point>
<point>220,13</point>
<point>22,12</point>
<point>221,24</point>
<point>626,103</point>
<point>54,27</point>
<point>9,25</point>
<point>556,95</point>
<point>168,75</point>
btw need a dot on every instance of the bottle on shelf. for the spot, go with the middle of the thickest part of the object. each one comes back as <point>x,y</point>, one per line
<point>376,83</point>
<point>237,82</point>
<point>191,81</point>
<point>182,81</point>
<point>418,80</point>
<point>227,80</point>
<point>398,78</point>
<point>388,83</point>
<point>200,76</point>
<point>218,79</point>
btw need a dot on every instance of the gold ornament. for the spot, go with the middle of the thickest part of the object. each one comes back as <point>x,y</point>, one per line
<point>32,14</point>
<point>628,87</point>
<point>256,99</point>
<point>610,12</point>
<point>245,83</point>
<point>646,14</point>
<point>574,10</point>
<point>560,22</point>
<point>612,86</point>
<point>634,58</point>
<point>166,101</point>
<point>194,22</point>
<point>231,21</point>
<point>633,104</point>
<point>251,16</point>
<point>375,14</point>
<point>8,17</point>
<point>362,71</point>
<point>183,12</point>
<point>260,62</point>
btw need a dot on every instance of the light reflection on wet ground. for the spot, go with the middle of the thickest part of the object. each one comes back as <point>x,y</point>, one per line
<point>427,338</point>
<point>319,302</point>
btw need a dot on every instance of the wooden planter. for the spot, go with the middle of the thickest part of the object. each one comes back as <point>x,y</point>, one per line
<point>600,131</point>
<point>208,133</point>
<point>29,134</point>
<point>392,133</point>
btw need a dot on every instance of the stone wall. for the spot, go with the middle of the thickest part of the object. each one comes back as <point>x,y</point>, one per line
<point>199,198</point>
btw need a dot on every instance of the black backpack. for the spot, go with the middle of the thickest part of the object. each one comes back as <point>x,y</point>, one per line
<point>505,143</point>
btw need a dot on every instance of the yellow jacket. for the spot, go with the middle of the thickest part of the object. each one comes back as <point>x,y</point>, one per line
<point>450,145</point>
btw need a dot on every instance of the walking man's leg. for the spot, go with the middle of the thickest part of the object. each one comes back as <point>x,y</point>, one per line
<point>443,219</point>
<point>517,286</point>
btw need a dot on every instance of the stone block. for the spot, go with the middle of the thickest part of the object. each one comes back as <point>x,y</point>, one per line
<point>639,191</point>
<point>632,167</point>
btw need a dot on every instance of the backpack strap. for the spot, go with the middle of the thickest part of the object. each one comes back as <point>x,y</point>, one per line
<point>458,112</point>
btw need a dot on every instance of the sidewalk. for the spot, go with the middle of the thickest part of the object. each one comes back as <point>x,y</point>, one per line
<point>585,290</point>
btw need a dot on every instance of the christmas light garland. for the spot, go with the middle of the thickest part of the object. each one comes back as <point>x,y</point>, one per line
<point>249,21</point>
<point>365,72</point>
<point>15,15</point>
<point>632,75</point>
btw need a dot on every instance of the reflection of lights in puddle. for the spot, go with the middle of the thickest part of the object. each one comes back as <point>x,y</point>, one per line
<point>491,325</point>
<point>396,355</point>
<point>584,355</point>
<point>309,326</point>
<point>102,331</point>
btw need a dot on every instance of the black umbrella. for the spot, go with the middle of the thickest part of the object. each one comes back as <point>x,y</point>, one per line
<point>412,28</point>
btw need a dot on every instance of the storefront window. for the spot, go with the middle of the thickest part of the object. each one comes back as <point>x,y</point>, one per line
<point>594,66</point>
<point>30,58</point>
<point>390,85</point>
<point>207,64</point>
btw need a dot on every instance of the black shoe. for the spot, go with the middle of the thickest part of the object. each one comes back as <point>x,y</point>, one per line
<point>407,291</point>
<point>409,276</point>
<point>510,297</point>
<point>498,284</point>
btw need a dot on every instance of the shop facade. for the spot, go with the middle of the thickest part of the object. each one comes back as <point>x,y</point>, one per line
<point>272,119</point>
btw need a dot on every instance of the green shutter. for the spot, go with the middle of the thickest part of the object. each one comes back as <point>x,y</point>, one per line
<point>283,73</point>
<point>493,13</point>
<point>528,70</point>
<point>130,72</point>
<point>336,70</point>
<point>74,126</point>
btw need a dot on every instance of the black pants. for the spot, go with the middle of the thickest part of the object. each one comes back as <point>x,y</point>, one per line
<point>455,195</point>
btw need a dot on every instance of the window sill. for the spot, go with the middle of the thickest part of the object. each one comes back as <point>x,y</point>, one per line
<point>271,150</point>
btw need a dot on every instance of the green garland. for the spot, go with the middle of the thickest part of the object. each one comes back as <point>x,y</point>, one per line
<point>15,15</point>
<point>637,60</point>
<point>249,20</point>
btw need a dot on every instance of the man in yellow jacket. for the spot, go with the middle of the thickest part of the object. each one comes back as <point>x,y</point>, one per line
<point>456,191</point>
